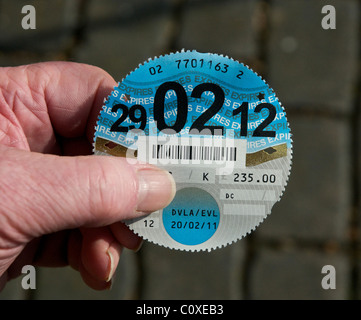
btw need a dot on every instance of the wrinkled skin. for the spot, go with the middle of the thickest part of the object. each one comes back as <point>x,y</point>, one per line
<point>59,206</point>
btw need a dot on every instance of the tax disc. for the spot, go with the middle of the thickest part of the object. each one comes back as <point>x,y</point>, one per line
<point>218,128</point>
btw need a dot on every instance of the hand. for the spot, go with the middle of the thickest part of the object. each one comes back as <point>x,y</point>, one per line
<point>59,206</point>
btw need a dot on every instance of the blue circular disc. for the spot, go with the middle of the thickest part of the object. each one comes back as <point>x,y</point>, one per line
<point>192,217</point>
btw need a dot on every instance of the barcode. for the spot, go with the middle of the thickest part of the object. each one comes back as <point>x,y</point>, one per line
<point>206,153</point>
<point>209,151</point>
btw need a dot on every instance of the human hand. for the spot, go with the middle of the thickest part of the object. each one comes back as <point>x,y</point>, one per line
<point>59,206</point>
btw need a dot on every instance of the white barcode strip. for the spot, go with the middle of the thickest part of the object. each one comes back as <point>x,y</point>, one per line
<point>217,152</point>
<point>182,152</point>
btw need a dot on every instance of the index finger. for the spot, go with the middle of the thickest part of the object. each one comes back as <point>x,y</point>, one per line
<point>51,99</point>
<point>75,96</point>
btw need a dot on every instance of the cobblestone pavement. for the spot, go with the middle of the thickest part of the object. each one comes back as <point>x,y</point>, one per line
<point>316,74</point>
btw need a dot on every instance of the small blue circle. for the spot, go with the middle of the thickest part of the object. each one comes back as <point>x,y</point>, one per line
<point>192,217</point>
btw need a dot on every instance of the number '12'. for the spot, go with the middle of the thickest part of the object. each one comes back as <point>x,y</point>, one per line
<point>258,132</point>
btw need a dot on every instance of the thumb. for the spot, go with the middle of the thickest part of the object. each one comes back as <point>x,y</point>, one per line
<point>41,193</point>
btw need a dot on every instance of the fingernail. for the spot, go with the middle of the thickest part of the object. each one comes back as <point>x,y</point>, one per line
<point>156,189</point>
<point>139,246</point>
<point>111,266</point>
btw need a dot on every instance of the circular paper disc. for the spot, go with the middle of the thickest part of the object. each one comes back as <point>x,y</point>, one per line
<point>221,132</point>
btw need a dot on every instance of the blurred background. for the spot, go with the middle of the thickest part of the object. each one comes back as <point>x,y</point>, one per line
<point>317,76</point>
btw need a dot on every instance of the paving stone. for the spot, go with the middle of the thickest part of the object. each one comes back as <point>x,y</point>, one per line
<point>66,283</point>
<point>316,202</point>
<point>55,21</point>
<point>296,274</point>
<point>224,27</point>
<point>125,12</point>
<point>170,274</point>
<point>310,67</point>
<point>123,38</point>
